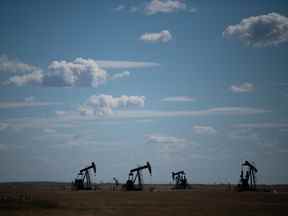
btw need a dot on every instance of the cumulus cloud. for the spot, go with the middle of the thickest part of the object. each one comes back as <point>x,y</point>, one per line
<point>103,105</point>
<point>61,73</point>
<point>163,36</point>
<point>154,138</point>
<point>15,66</point>
<point>203,130</point>
<point>164,6</point>
<point>23,74</point>
<point>33,78</point>
<point>179,99</point>
<point>260,31</point>
<point>242,88</point>
<point>79,72</point>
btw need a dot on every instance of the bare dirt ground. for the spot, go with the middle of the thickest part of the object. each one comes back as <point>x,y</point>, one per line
<point>58,199</point>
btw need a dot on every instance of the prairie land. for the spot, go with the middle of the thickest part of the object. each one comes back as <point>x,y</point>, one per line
<point>58,199</point>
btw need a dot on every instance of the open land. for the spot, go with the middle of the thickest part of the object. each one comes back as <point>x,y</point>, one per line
<point>58,199</point>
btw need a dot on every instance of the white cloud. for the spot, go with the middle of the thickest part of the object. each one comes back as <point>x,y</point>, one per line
<point>71,119</point>
<point>108,111</point>
<point>236,111</point>
<point>15,66</point>
<point>49,130</point>
<point>121,75</point>
<point>179,99</point>
<point>260,31</point>
<point>24,74</point>
<point>263,125</point>
<point>242,88</point>
<point>79,72</point>
<point>33,78</point>
<point>167,144</point>
<point>163,36</point>
<point>29,99</point>
<point>60,112</point>
<point>164,6</point>
<point>153,7</point>
<point>89,111</point>
<point>120,8</point>
<point>103,105</point>
<point>244,134</point>
<point>155,138</point>
<point>144,120</point>
<point>21,104</point>
<point>109,64</point>
<point>193,10</point>
<point>133,9</point>
<point>203,130</point>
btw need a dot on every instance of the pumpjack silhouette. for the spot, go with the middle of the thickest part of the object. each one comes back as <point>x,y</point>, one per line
<point>247,182</point>
<point>180,180</point>
<point>83,179</point>
<point>136,174</point>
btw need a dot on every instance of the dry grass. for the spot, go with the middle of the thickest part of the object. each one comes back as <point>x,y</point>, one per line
<point>56,200</point>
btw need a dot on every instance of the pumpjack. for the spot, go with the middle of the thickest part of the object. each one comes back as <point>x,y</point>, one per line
<point>83,179</point>
<point>247,182</point>
<point>136,174</point>
<point>180,180</point>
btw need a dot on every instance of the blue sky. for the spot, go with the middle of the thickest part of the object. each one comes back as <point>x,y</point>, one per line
<point>193,85</point>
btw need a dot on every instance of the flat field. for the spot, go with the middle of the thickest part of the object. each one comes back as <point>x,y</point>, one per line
<point>58,199</point>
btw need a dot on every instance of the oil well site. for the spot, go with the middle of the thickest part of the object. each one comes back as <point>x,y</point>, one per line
<point>181,197</point>
<point>143,107</point>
